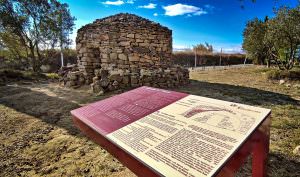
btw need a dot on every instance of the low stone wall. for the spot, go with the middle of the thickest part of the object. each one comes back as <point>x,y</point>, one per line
<point>109,80</point>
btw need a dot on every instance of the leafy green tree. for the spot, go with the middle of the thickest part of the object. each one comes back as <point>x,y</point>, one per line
<point>13,46</point>
<point>276,39</point>
<point>284,34</point>
<point>36,25</point>
<point>254,40</point>
<point>62,28</point>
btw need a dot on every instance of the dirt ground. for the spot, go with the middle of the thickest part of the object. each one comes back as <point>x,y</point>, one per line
<point>37,136</point>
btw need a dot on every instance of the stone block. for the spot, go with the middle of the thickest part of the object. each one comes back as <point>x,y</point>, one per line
<point>124,43</point>
<point>103,73</point>
<point>144,44</point>
<point>104,55</point>
<point>113,56</point>
<point>130,35</point>
<point>96,88</point>
<point>122,57</point>
<point>104,82</point>
<point>95,79</point>
<point>139,40</point>
<point>115,77</point>
<point>134,79</point>
<point>125,80</point>
<point>134,58</point>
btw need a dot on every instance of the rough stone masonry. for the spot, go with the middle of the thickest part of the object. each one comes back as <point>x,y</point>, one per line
<point>125,50</point>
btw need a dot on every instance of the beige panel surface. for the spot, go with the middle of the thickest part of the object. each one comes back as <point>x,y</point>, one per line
<point>191,137</point>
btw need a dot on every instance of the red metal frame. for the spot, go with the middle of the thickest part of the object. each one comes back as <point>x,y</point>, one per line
<point>257,145</point>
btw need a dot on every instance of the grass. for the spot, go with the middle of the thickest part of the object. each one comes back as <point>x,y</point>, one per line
<point>53,76</point>
<point>252,86</point>
<point>276,74</point>
<point>37,136</point>
<point>17,75</point>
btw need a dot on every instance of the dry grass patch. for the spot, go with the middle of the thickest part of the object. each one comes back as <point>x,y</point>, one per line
<point>37,136</point>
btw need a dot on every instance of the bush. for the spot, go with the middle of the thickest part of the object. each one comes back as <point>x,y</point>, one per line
<point>53,76</point>
<point>283,74</point>
<point>273,75</point>
<point>33,75</point>
<point>51,59</point>
<point>11,74</point>
<point>15,75</point>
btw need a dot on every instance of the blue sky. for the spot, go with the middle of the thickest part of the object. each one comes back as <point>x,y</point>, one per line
<point>218,22</point>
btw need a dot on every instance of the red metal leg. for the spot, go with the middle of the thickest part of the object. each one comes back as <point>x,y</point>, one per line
<point>259,155</point>
<point>261,149</point>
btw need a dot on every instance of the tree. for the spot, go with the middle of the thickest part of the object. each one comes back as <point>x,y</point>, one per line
<point>13,45</point>
<point>35,25</point>
<point>64,26</point>
<point>284,34</point>
<point>203,48</point>
<point>276,39</point>
<point>254,40</point>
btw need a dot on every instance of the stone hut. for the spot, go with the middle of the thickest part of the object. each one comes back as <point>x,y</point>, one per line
<point>125,50</point>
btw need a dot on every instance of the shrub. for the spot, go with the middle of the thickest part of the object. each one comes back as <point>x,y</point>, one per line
<point>294,75</point>
<point>273,74</point>
<point>11,74</point>
<point>53,76</point>
<point>51,58</point>
<point>262,70</point>
<point>33,75</point>
<point>283,74</point>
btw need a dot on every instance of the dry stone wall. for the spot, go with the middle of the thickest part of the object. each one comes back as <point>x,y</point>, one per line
<point>125,50</point>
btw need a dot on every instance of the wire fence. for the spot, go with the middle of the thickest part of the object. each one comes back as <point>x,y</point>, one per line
<point>208,68</point>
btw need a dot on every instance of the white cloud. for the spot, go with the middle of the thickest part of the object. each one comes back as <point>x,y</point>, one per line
<point>115,3</point>
<point>149,6</point>
<point>130,1</point>
<point>155,14</point>
<point>182,9</point>
<point>177,47</point>
<point>200,12</point>
<point>210,7</point>
<point>228,49</point>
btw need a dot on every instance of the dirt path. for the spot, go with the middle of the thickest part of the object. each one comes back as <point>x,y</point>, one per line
<point>37,136</point>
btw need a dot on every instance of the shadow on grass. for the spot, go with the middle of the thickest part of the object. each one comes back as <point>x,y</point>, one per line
<point>239,94</point>
<point>56,111</point>
<point>51,110</point>
<point>281,166</point>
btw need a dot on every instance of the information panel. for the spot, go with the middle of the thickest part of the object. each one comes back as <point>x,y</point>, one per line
<point>172,133</point>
